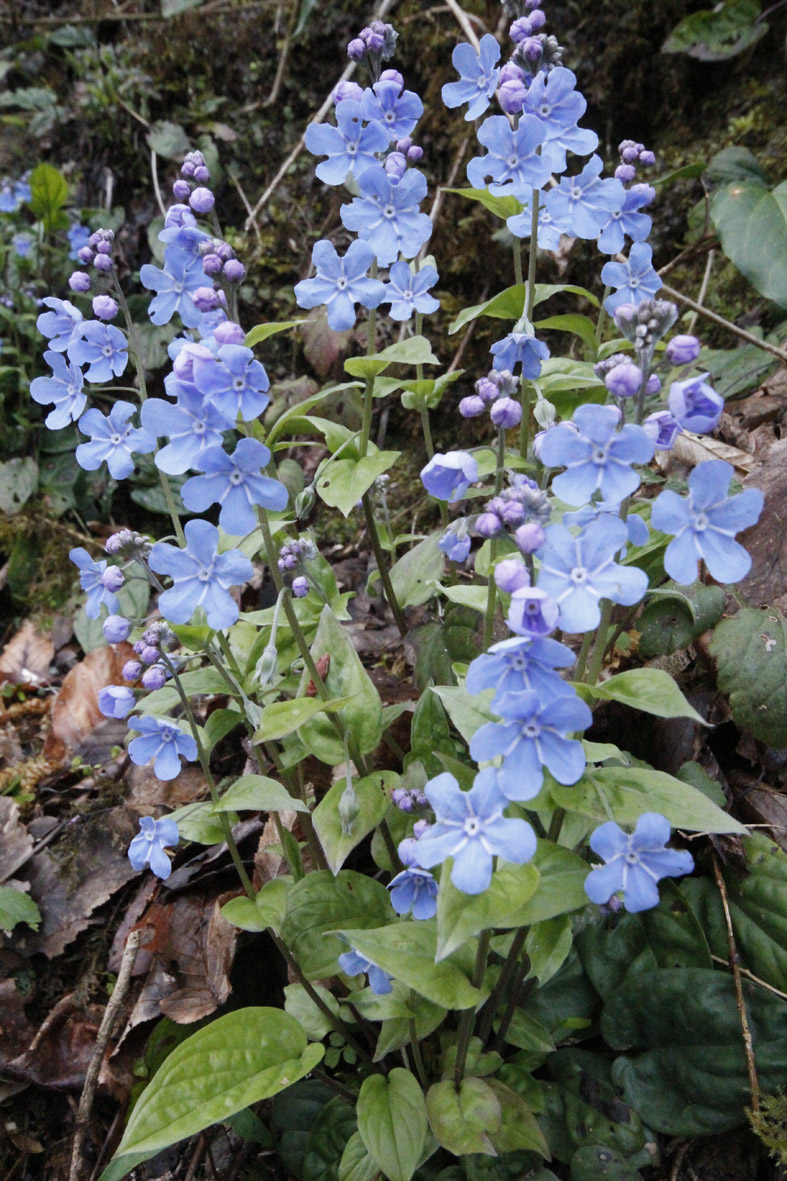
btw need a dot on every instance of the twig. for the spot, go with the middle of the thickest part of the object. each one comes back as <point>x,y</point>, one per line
<point>284,55</point>
<point>703,289</point>
<point>156,187</point>
<point>741,332</point>
<point>196,1159</point>
<point>439,196</point>
<point>750,975</point>
<point>754,1085</point>
<point>246,206</point>
<point>219,9</point>
<point>679,1155</point>
<point>464,23</point>
<point>104,1032</point>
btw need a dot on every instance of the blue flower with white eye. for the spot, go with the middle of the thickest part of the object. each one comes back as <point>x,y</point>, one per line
<point>163,742</point>
<point>350,147</point>
<point>395,110</point>
<point>635,862</point>
<point>353,964</point>
<point>705,524</point>
<point>447,477</point>
<point>236,483</point>
<point>90,579</point>
<point>520,348</point>
<point>695,405</point>
<point>102,348</point>
<point>201,576</point>
<point>113,439</point>
<point>638,532</point>
<point>520,665</point>
<point>580,571</point>
<point>455,542</point>
<point>340,283</point>
<point>414,890</point>
<point>634,280</point>
<point>387,213</point>
<point>586,201</point>
<point>61,324</point>
<point>470,828</point>
<point>627,220</point>
<point>512,163</point>
<point>174,287</point>
<point>554,101</point>
<point>234,382</point>
<point>407,291</point>
<point>533,735</point>
<point>22,244</point>
<point>147,847</point>
<point>597,457</point>
<point>191,425</point>
<point>64,388</point>
<point>477,76</point>
<point>550,228</point>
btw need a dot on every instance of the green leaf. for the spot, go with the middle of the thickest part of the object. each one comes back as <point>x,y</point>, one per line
<point>502,207</point>
<point>18,482</point>
<point>344,481</point>
<point>198,822</point>
<point>372,798</point>
<point>16,907</point>
<point>734,164</point>
<point>407,951</point>
<point>581,326</point>
<point>690,1078</point>
<point>267,910</point>
<point>356,1163</point>
<point>311,1019</point>
<point>547,946</point>
<point>320,903</point>
<point>676,616</point>
<point>519,1130</point>
<point>686,172</point>
<point>430,390</point>
<point>233,1062</point>
<point>305,11</point>
<point>327,1139</point>
<point>261,332</point>
<point>348,679</point>
<point>465,710</point>
<point>392,1122</point>
<point>414,574</point>
<point>751,654</point>
<point>651,690</point>
<point>474,597</point>
<point>583,1110</point>
<point>464,1120</point>
<point>415,350</point>
<point>257,793</point>
<point>506,305</point>
<point>49,194</point>
<point>561,887</point>
<point>461,916</point>
<point>168,140</point>
<point>283,717</point>
<point>595,1162</point>
<point>716,34</point>
<point>752,225</point>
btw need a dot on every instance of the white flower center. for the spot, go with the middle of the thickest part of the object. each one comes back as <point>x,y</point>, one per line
<point>579,575</point>
<point>472,826</point>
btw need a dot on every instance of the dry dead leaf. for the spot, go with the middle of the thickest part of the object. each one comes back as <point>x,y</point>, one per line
<point>322,346</point>
<point>26,659</point>
<point>16,844</point>
<point>692,449</point>
<point>60,1052</point>
<point>16,1032</point>
<point>767,540</point>
<point>75,712</point>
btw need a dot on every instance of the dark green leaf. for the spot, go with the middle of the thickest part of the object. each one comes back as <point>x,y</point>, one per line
<point>464,1120</point>
<point>392,1122</point>
<point>321,903</point>
<point>49,194</point>
<point>716,34</point>
<point>168,140</point>
<point>751,222</point>
<point>751,653</point>
<point>327,1139</point>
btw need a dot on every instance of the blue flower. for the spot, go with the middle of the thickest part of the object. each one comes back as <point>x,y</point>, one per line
<point>635,280</point>
<point>627,220</point>
<point>64,387</point>
<point>520,348</point>
<point>201,576</point>
<point>553,100</point>
<point>350,147</point>
<point>393,109</point>
<point>61,325</point>
<point>512,161</point>
<point>191,425</point>
<point>174,287</point>
<point>386,215</point>
<point>705,524</point>
<point>113,440</point>
<point>407,292</point>
<point>638,532</point>
<point>470,828</point>
<point>585,201</point>
<point>90,579</point>
<point>518,665</point>
<point>22,244</point>
<point>532,735</point>
<point>695,405</point>
<point>414,890</point>
<point>352,964</point>
<point>77,236</point>
<point>449,476</point>
<point>116,701</point>
<point>162,741</point>
<point>455,542</point>
<point>477,74</point>
<point>237,484</point>
<point>597,458</point>
<point>147,848</point>
<point>234,382</point>
<point>340,283</point>
<point>103,348</point>
<point>580,571</point>
<point>532,612</point>
<point>634,862</point>
<point>182,245</point>
<point>13,194</point>
<point>550,228</point>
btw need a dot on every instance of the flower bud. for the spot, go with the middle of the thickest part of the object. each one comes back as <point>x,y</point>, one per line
<point>131,670</point>
<point>348,808</point>
<point>505,413</point>
<point>181,190</point>
<point>624,380</point>
<point>346,90</point>
<point>300,587</point>
<point>682,350</point>
<point>85,255</point>
<point>202,200</point>
<point>488,525</point>
<point>102,262</point>
<point>116,701</point>
<point>625,172</point>
<point>511,575</point>
<point>472,406</point>
<point>511,97</point>
<point>116,629</point>
<point>529,537</point>
<point>229,333</point>
<point>234,271</point>
<point>113,578</point>
<point>79,281</point>
<point>212,265</point>
<point>154,677</point>
<point>104,307</point>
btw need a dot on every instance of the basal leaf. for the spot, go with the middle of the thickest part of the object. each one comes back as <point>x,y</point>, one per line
<point>463,1120</point>
<point>320,903</point>
<point>716,34</point>
<point>751,222</point>
<point>461,916</point>
<point>372,799</point>
<point>751,654</point>
<point>392,1122</point>
<point>651,690</point>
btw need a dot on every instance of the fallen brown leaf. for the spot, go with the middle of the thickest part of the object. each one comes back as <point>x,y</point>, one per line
<point>60,1052</point>
<point>16,844</point>
<point>26,659</point>
<point>694,449</point>
<point>767,540</point>
<point>75,712</point>
<point>322,346</point>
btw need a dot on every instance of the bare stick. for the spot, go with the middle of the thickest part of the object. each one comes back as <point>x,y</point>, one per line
<point>754,1085</point>
<point>105,1030</point>
<point>464,23</point>
<point>717,959</point>
<point>741,332</point>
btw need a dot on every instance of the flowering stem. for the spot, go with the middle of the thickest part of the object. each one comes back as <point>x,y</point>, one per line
<point>514,1003</point>
<point>518,276</point>
<point>641,392</point>
<point>379,554</point>
<point>468,1016</point>
<point>602,315</point>
<point>506,972</point>
<point>526,400</point>
<point>415,1047</point>
<point>599,648</point>
<point>584,652</point>
<point>526,390</point>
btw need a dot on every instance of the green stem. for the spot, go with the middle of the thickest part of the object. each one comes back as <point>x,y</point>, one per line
<point>468,1016</point>
<point>506,972</point>
<point>382,566</point>
<point>415,1047</point>
<point>526,402</point>
<point>518,276</point>
<point>532,255</point>
<point>599,648</point>
<point>368,393</point>
<point>555,824</point>
<point>582,659</point>
<point>602,315</point>
<point>513,1003</point>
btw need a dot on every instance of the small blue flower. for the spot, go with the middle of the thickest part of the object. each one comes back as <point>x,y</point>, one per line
<point>103,348</point>
<point>352,964</point>
<point>162,741</point>
<point>407,292</point>
<point>634,280</point>
<point>77,236</point>
<point>470,828</point>
<point>597,458</point>
<point>638,532</point>
<point>90,579</point>
<point>553,99</point>
<point>478,76</point>
<point>147,848</point>
<point>201,576</point>
<point>116,701</point>
<point>22,244</point>
<point>705,524</point>
<point>387,214</point>
<point>628,220</point>
<point>61,325</point>
<point>174,287</point>
<point>393,109</point>
<point>520,348</point>
<point>236,483</point>
<point>580,571</point>
<point>635,862</point>
<point>513,163</point>
<point>414,890</point>
<point>234,382</point>
<point>550,228</point>
<point>340,283</point>
<point>455,542</point>
<point>449,476</point>
<point>350,147</point>
<point>585,201</point>
<point>113,440</point>
<point>64,387</point>
<point>191,425</point>
<point>532,612</point>
<point>695,405</point>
